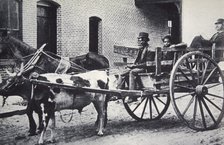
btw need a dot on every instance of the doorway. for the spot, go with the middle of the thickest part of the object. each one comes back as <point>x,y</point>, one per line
<point>46,26</point>
<point>174,20</point>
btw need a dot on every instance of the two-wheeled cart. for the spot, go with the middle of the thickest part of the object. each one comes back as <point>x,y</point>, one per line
<point>192,81</point>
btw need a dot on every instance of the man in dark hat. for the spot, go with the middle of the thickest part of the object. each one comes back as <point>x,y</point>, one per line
<point>144,55</point>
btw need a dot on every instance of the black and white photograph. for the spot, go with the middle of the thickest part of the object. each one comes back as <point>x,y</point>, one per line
<point>111,72</point>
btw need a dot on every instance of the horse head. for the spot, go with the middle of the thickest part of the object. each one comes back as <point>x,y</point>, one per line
<point>15,48</point>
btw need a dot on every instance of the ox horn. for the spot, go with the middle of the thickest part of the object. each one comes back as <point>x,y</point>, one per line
<point>9,73</point>
<point>19,73</point>
<point>21,69</point>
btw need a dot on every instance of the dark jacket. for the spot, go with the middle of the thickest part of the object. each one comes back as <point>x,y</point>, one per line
<point>218,40</point>
<point>144,55</point>
<point>167,55</point>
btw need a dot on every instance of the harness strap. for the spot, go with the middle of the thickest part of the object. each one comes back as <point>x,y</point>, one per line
<point>63,66</point>
<point>72,63</point>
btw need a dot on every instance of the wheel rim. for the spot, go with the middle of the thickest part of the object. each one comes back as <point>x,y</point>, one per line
<point>197,91</point>
<point>148,107</point>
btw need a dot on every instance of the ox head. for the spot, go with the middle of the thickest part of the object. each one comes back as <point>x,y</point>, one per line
<point>15,78</point>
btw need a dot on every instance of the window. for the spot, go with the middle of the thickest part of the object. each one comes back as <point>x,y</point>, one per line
<point>95,34</point>
<point>10,16</point>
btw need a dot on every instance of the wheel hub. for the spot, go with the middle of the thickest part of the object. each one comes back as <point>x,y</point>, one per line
<point>201,90</point>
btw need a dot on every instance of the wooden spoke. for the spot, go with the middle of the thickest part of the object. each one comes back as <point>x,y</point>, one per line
<point>195,110</point>
<point>204,72</point>
<point>215,96</point>
<point>160,101</point>
<point>209,111</point>
<point>202,113</point>
<point>143,112</point>
<point>139,104</point>
<point>209,75</point>
<point>150,108</point>
<point>214,85</point>
<point>190,68</point>
<point>186,76</point>
<point>188,105</point>
<point>213,103</point>
<point>155,105</point>
<point>184,95</point>
<point>198,70</point>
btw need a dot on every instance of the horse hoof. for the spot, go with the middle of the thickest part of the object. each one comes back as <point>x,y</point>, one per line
<point>32,134</point>
<point>51,141</point>
<point>39,131</point>
<point>100,133</point>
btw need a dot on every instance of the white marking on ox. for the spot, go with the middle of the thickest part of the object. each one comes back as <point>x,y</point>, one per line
<point>69,99</point>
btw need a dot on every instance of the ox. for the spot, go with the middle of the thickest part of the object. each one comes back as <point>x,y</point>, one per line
<point>54,98</point>
<point>47,63</point>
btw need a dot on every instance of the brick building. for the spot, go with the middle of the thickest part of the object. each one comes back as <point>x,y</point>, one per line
<point>74,27</point>
<point>90,25</point>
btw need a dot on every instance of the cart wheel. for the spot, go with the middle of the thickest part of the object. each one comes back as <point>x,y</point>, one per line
<point>151,107</point>
<point>197,91</point>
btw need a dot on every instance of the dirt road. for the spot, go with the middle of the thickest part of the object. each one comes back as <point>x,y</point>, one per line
<point>121,130</point>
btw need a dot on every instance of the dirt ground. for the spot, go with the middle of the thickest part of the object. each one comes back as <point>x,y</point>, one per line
<point>121,129</point>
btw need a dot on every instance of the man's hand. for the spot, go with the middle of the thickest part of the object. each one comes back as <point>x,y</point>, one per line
<point>172,46</point>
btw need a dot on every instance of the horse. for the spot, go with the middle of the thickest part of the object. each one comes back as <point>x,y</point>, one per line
<point>40,62</point>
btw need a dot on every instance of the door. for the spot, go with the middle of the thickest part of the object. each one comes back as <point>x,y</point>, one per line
<point>46,27</point>
<point>174,16</point>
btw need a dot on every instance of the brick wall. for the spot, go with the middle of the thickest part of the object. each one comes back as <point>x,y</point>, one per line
<point>29,26</point>
<point>121,23</point>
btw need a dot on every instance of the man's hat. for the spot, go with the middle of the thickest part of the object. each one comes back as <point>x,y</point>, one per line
<point>219,21</point>
<point>143,35</point>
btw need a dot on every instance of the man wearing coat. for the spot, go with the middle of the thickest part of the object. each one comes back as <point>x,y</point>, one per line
<point>216,41</point>
<point>144,54</point>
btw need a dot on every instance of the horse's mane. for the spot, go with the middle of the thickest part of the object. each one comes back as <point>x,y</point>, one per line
<point>73,68</point>
<point>20,46</point>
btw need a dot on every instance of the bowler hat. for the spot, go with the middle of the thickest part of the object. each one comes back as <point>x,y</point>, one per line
<point>143,35</point>
<point>219,21</point>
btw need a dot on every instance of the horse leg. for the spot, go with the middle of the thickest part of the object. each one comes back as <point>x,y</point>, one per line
<point>32,123</point>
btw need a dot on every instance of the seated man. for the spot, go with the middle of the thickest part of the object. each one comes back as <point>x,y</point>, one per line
<point>144,54</point>
<point>216,41</point>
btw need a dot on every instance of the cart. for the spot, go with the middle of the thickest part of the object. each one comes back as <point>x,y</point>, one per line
<point>194,86</point>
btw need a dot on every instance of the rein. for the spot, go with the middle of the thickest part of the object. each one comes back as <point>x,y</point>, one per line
<point>76,65</point>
